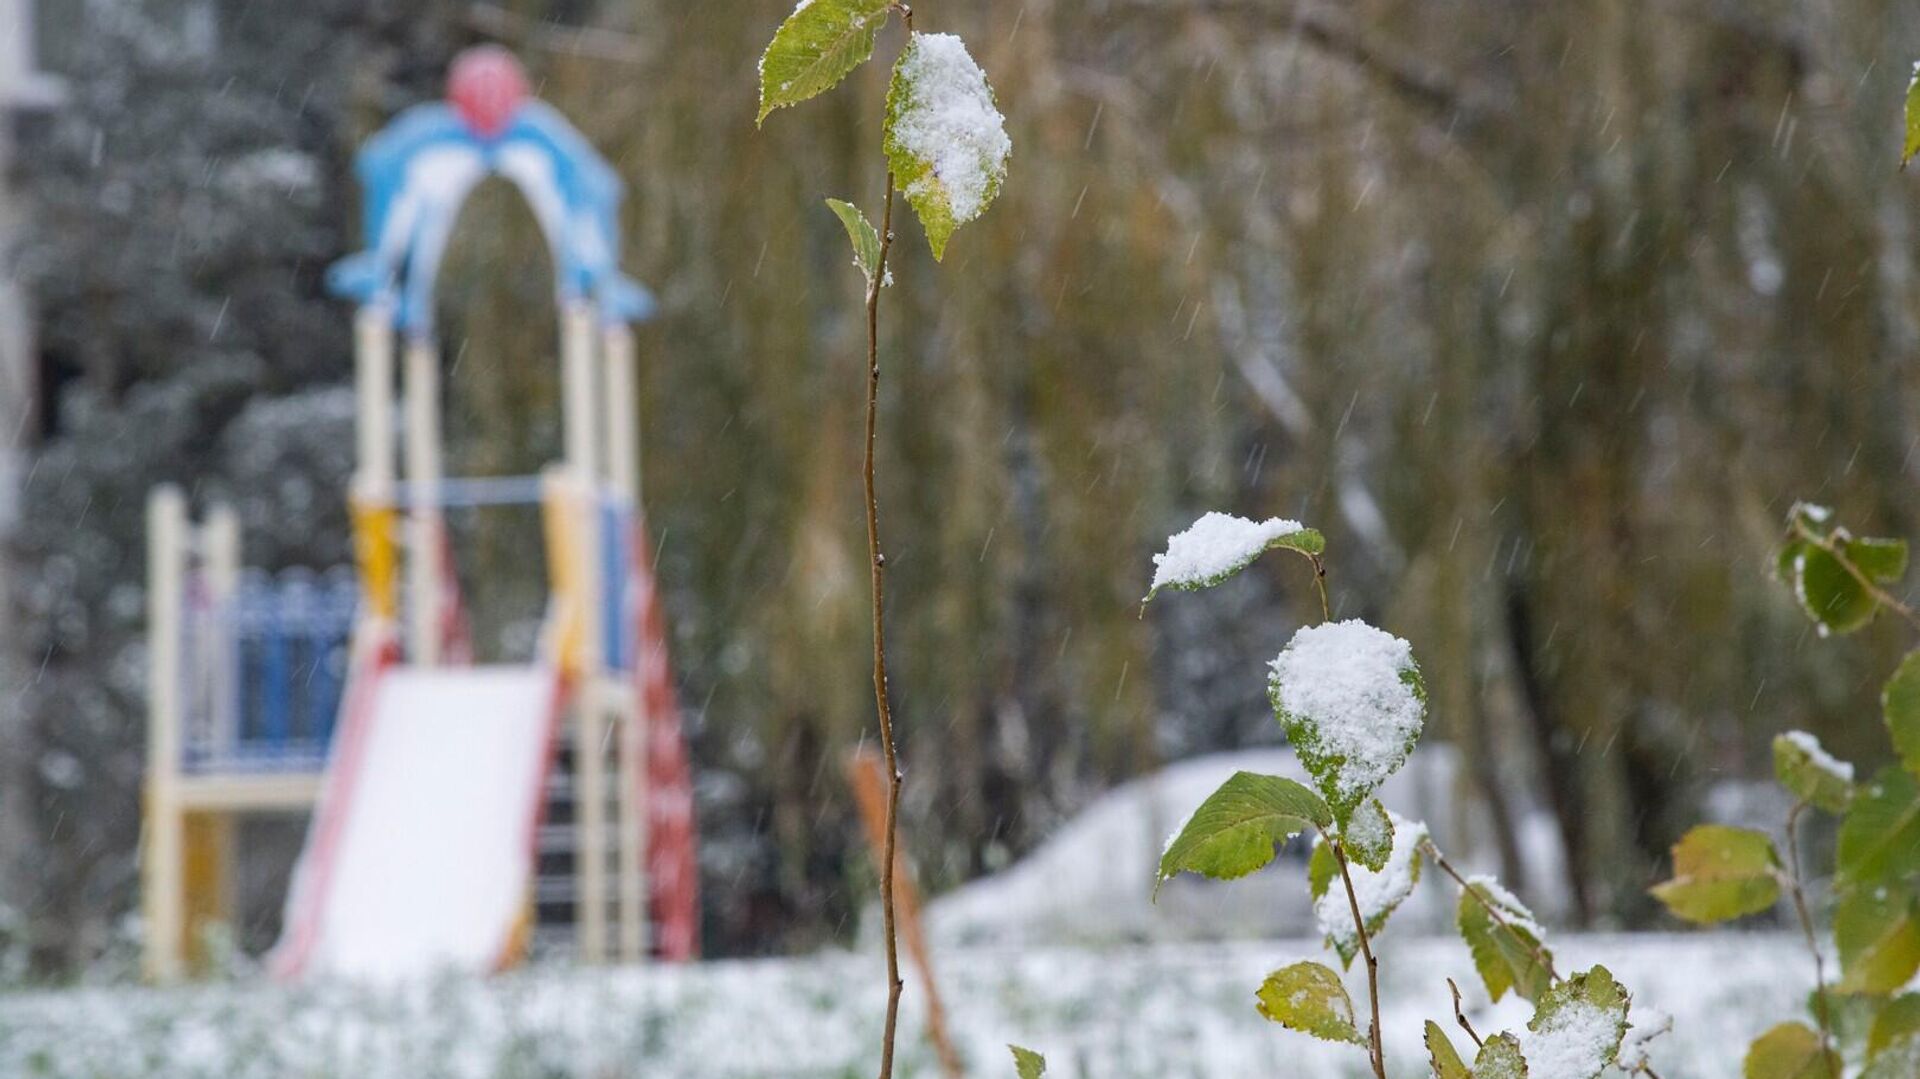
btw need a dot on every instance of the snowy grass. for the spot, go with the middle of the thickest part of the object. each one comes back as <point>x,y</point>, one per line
<point>1149,1011</point>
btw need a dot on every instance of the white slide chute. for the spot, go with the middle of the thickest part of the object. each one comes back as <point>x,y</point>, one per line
<point>420,858</point>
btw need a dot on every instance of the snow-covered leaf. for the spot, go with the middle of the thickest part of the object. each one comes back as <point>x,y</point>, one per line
<point>1576,1030</point>
<point>1443,1056</point>
<point>1500,1058</point>
<point>1368,837</point>
<point>1876,928</point>
<point>1831,593</point>
<point>860,233</point>
<point>1509,951</point>
<point>1880,835</point>
<point>1811,773</point>
<point>1027,1064</point>
<point>1353,705</point>
<point>1900,705</point>
<point>1720,873</point>
<point>944,139</point>
<point>1235,830</point>
<point>1790,1051</point>
<point>1310,998</point>
<point>1219,545</point>
<point>815,48</point>
<point>1378,893</point>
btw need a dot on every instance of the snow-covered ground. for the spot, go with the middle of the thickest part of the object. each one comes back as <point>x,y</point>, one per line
<point>1160,1011</point>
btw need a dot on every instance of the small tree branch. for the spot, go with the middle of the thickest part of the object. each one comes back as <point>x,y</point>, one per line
<point>1795,888</point>
<point>1376,1055</point>
<point>1460,1016</point>
<point>878,576</point>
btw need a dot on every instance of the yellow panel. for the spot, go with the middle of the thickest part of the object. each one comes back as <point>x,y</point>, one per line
<point>208,874</point>
<point>373,548</point>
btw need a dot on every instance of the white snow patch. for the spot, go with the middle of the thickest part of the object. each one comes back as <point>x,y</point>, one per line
<point>1213,546</point>
<point>950,121</point>
<point>1343,680</point>
<point>1819,757</point>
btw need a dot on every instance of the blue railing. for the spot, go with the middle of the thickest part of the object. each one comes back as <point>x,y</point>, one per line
<point>271,668</point>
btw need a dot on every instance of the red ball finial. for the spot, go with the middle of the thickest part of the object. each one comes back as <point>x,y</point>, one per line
<point>486,85</point>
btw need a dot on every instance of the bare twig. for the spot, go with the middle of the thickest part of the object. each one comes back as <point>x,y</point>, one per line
<point>1320,583</point>
<point>1794,888</point>
<point>1460,1016</point>
<point>877,570</point>
<point>878,573</point>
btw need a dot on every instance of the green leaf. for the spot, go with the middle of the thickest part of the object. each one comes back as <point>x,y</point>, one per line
<point>1368,837</point>
<point>1500,1058</point>
<point>1579,1024</point>
<point>1913,119</point>
<point>866,242</point>
<point>1219,545</point>
<point>1810,774</point>
<point>1508,951</point>
<point>944,137</point>
<point>1900,1019</point>
<point>1444,1057</point>
<point>1028,1064</point>
<point>1721,873</point>
<point>815,48</point>
<point>1882,560</point>
<point>1877,930</point>
<point>1235,830</point>
<point>1790,1051</point>
<point>1900,705</point>
<point>1880,835</point>
<point>1831,594</point>
<point>1310,998</point>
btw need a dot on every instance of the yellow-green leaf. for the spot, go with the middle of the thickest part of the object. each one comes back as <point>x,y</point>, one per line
<point>1721,873</point>
<point>1912,141</point>
<point>1236,829</point>
<point>1790,1051</point>
<point>815,48</point>
<point>944,137</point>
<point>1877,930</point>
<point>1028,1064</point>
<point>1899,1020</point>
<point>1810,773</point>
<point>1310,998</point>
<point>1899,1060</point>
<point>1507,951</point>
<point>1443,1056</point>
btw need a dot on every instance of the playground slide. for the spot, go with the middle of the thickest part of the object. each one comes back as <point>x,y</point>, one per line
<point>421,854</point>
